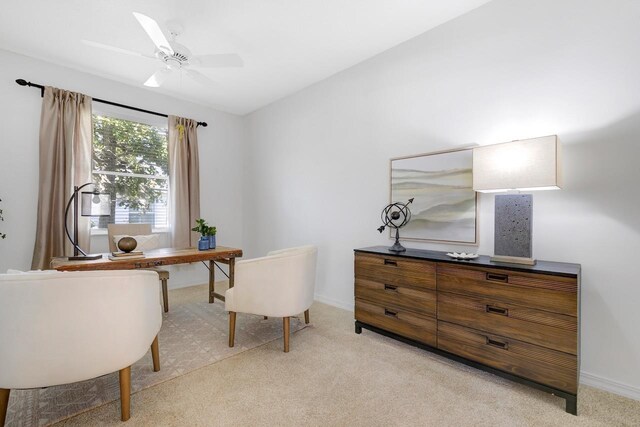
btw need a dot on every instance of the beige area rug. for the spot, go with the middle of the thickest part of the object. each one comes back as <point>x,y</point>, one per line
<point>194,334</point>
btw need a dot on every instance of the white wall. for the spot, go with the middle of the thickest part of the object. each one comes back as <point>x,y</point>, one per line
<point>317,161</point>
<point>220,150</point>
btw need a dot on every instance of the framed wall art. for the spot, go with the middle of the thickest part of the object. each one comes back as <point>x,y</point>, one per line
<point>445,207</point>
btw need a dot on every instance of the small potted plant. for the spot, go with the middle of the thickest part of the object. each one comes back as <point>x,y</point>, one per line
<point>211,234</point>
<point>201,227</point>
<point>207,235</point>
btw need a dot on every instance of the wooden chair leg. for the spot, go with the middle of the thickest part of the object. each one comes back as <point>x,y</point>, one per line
<point>125,393</point>
<point>4,404</point>
<point>165,295</point>
<point>155,354</point>
<point>285,327</point>
<point>306,316</point>
<point>232,328</point>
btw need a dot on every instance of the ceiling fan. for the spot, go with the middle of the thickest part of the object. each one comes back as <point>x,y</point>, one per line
<point>173,55</point>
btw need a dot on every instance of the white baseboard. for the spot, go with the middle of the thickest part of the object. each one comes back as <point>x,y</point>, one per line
<point>609,385</point>
<point>333,302</point>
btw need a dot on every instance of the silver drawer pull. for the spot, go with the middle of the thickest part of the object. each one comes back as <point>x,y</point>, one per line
<point>498,344</point>
<point>390,313</point>
<point>497,310</point>
<point>391,288</point>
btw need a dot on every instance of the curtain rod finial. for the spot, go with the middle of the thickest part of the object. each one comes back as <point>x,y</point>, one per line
<point>22,82</point>
<point>203,124</point>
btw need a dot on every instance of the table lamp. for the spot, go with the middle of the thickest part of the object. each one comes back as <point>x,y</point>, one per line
<point>93,203</point>
<point>524,165</point>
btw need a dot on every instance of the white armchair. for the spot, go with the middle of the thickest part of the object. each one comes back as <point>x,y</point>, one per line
<point>280,284</point>
<point>63,327</point>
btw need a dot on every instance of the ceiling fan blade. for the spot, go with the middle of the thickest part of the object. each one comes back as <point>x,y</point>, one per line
<point>158,78</point>
<point>200,78</point>
<point>219,60</point>
<point>115,49</point>
<point>154,32</point>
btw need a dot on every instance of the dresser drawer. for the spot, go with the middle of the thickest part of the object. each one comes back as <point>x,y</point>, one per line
<point>397,320</point>
<point>539,364</point>
<point>396,271</point>
<point>557,294</point>
<point>543,328</point>
<point>419,301</point>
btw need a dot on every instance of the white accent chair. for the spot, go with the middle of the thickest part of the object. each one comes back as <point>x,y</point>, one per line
<point>140,230</point>
<point>281,284</point>
<point>64,327</point>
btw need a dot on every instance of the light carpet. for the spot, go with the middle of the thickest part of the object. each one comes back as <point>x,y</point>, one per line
<point>333,377</point>
<point>194,334</point>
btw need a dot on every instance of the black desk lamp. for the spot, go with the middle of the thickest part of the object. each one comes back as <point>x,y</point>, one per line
<point>93,203</point>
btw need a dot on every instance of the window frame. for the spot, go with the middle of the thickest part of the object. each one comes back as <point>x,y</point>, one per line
<point>99,109</point>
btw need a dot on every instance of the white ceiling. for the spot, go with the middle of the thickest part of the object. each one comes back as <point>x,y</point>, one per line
<point>286,44</point>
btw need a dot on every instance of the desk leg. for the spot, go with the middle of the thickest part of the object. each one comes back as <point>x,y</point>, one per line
<point>212,280</point>
<point>232,271</point>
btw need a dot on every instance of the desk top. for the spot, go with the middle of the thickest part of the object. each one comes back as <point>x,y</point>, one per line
<point>154,258</point>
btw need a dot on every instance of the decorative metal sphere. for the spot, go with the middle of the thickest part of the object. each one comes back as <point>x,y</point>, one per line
<point>127,244</point>
<point>396,215</point>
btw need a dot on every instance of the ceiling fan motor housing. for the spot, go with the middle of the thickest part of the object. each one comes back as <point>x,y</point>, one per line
<point>178,59</point>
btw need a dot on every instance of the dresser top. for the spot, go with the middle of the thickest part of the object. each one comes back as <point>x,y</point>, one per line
<point>543,267</point>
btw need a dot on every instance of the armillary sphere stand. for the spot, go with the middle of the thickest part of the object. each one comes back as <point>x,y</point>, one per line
<point>396,215</point>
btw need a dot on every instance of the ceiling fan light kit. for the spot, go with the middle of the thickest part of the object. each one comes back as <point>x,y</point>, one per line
<point>174,56</point>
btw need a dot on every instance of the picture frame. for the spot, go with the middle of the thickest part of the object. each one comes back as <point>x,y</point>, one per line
<point>445,207</point>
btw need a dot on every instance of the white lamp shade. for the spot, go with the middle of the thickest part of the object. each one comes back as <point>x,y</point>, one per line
<point>527,164</point>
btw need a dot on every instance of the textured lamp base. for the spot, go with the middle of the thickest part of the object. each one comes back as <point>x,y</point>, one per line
<point>513,220</point>
<point>513,260</point>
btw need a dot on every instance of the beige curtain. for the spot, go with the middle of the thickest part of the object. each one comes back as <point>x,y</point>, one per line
<point>65,161</point>
<point>184,181</point>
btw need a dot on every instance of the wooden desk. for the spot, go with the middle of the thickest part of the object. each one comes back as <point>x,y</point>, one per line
<point>157,258</point>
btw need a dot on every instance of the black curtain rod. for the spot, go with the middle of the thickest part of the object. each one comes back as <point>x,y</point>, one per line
<point>23,82</point>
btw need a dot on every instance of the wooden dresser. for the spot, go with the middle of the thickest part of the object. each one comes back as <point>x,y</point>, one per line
<point>519,322</point>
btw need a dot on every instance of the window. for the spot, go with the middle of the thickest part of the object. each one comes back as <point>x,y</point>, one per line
<point>130,162</point>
